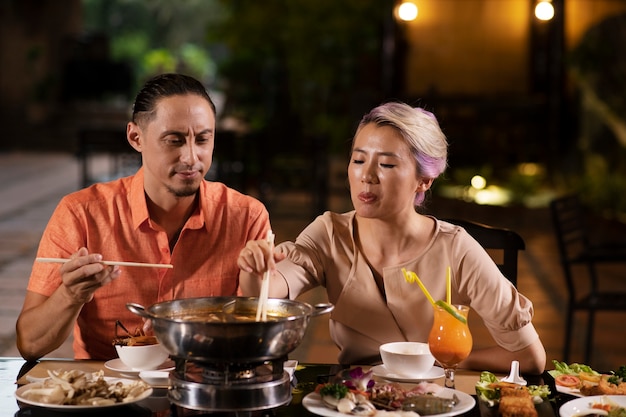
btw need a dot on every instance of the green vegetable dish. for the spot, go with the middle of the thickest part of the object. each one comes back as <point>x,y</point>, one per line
<point>337,391</point>
<point>490,395</point>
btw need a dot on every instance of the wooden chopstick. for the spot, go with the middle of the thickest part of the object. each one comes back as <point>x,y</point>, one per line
<point>140,264</point>
<point>261,311</point>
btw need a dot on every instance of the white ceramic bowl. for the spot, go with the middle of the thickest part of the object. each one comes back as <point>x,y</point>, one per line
<point>142,358</point>
<point>407,359</point>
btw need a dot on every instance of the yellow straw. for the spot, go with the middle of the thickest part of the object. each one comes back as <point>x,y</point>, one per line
<point>448,286</point>
<point>411,277</point>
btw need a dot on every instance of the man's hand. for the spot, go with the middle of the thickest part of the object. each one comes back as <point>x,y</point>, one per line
<point>84,274</point>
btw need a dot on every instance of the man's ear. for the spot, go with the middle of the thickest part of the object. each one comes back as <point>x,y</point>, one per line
<point>134,135</point>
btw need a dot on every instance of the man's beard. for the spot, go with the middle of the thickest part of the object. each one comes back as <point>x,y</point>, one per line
<point>187,190</point>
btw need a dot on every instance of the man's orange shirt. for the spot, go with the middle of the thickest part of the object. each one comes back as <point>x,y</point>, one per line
<point>112,219</point>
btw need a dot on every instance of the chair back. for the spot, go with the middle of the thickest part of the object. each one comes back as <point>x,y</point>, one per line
<point>572,238</point>
<point>494,240</point>
<point>577,249</point>
<point>569,222</point>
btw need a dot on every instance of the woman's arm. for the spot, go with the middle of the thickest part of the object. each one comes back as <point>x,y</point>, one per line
<point>532,359</point>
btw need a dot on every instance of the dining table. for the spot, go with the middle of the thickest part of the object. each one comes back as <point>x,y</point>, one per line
<point>16,372</point>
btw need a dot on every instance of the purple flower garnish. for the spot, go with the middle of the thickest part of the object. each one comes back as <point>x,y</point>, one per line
<point>360,380</point>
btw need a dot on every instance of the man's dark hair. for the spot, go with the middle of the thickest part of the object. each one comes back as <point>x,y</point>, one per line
<point>166,85</point>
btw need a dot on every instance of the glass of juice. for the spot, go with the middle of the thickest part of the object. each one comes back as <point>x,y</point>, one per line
<point>450,340</point>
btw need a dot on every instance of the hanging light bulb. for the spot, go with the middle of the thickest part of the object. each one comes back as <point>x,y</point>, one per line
<point>544,10</point>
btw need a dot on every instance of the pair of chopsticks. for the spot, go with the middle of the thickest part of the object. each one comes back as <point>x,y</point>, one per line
<point>261,311</point>
<point>139,264</point>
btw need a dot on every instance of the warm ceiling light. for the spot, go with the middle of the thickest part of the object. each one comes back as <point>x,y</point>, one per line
<point>544,10</point>
<point>407,11</point>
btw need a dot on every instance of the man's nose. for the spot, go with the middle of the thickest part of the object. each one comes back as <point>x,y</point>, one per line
<point>189,154</point>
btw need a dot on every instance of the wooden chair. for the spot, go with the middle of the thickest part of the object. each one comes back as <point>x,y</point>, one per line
<point>575,249</point>
<point>493,239</point>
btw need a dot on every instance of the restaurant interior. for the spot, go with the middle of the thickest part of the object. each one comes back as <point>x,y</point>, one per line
<point>530,94</point>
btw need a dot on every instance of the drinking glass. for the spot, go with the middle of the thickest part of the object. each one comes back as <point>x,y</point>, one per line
<point>450,340</point>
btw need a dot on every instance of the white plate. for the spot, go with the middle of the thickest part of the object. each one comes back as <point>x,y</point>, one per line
<point>156,379</point>
<point>313,403</point>
<point>20,391</point>
<point>382,372</point>
<point>575,407</point>
<point>118,366</point>
<point>569,391</point>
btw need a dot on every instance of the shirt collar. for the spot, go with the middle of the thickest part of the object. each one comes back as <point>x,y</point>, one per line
<point>139,206</point>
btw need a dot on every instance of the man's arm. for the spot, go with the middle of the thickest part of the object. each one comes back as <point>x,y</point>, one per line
<point>45,322</point>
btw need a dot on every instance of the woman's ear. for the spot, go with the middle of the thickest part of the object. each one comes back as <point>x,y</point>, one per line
<point>134,136</point>
<point>424,185</point>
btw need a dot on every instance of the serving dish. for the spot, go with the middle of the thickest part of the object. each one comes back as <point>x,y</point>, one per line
<point>313,403</point>
<point>580,406</point>
<point>19,395</point>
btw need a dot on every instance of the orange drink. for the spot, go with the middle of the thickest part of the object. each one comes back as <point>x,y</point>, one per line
<point>450,340</point>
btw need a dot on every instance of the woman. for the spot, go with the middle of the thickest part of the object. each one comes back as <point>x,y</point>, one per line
<point>397,153</point>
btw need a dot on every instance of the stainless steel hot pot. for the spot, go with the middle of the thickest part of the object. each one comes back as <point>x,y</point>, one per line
<point>210,329</point>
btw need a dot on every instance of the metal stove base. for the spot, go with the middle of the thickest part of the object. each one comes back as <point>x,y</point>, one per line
<point>234,397</point>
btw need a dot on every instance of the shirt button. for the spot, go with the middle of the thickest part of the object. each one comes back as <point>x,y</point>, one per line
<point>165,250</point>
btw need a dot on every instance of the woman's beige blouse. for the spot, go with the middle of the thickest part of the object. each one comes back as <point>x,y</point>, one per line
<point>325,254</point>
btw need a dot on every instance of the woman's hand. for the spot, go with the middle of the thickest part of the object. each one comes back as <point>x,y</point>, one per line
<point>258,257</point>
<point>254,260</point>
<point>84,274</point>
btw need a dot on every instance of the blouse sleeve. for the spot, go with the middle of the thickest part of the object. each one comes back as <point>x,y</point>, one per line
<point>506,313</point>
<point>324,248</point>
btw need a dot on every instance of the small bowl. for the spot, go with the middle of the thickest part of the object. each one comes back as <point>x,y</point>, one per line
<point>142,358</point>
<point>407,359</point>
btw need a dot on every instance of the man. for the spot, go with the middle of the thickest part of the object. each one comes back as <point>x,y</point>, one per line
<point>165,214</point>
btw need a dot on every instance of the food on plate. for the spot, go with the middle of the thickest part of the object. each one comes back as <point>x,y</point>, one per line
<point>584,379</point>
<point>395,397</point>
<point>611,408</point>
<point>427,405</point>
<point>619,376</point>
<point>356,379</point>
<point>348,393</point>
<point>569,381</point>
<point>572,369</point>
<point>490,390</point>
<point>82,388</point>
<point>339,397</point>
<point>331,394</point>
<point>516,401</point>
<point>354,392</point>
<point>604,387</point>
